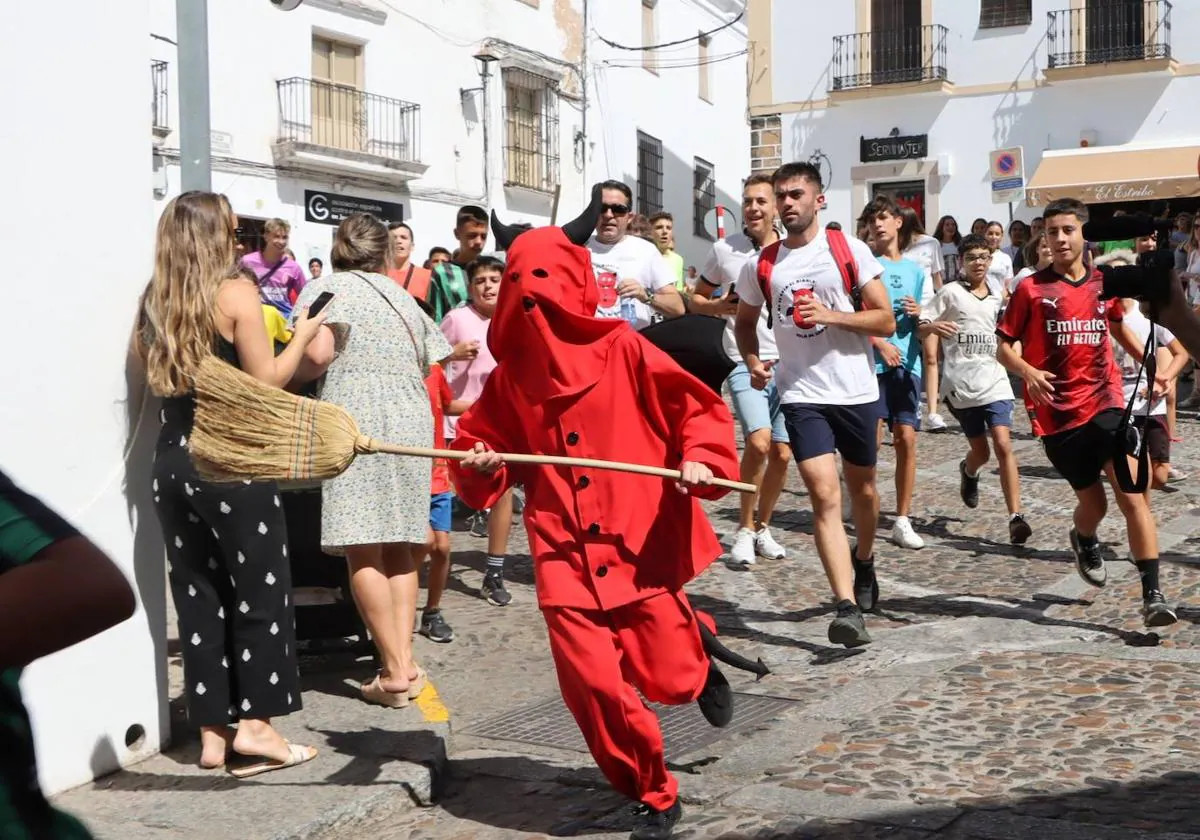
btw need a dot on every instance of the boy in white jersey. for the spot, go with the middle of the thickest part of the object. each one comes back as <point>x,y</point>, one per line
<point>759,412</point>
<point>974,385</point>
<point>826,378</point>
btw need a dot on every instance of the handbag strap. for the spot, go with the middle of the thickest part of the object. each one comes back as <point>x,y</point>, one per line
<point>412,336</point>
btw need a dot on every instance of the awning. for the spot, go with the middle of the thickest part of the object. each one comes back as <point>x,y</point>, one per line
<point>1097,176</point>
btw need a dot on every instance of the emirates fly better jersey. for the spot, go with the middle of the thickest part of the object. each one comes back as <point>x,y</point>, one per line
<point>1063,330</point>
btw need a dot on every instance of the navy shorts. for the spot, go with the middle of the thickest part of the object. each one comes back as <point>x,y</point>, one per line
<point>439,512</point>
<point>900,398</point>
<point>816,430</point>
<point>976,421</point>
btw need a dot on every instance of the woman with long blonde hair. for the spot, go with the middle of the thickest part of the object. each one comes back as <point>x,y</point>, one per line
<point>226,543</point>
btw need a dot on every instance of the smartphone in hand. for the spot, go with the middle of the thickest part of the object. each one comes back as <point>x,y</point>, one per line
<point>320,303</point>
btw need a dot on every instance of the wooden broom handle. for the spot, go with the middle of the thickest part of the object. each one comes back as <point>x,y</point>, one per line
<point>555,460</point>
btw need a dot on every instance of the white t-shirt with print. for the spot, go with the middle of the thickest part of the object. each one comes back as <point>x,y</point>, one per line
<point>630,258</point>
<point>818,365</point>
<point>1131,384</point>
<point>724,265</point>
<point>971,375</point>
<point>925,251</point>
<point>1000,272</point>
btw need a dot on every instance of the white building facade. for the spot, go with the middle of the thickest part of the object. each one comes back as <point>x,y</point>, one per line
<point>913,97</point>
<point>413,110</point>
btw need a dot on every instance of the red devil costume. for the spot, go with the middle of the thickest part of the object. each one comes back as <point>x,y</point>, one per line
<point>611,550</point>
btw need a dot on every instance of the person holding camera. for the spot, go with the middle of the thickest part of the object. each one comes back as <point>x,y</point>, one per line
<point>1074,396</point>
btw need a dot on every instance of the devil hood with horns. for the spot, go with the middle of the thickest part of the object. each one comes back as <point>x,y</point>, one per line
<point>545,321</point>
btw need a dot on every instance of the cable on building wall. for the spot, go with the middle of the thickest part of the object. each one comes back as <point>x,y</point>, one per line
<point>690,40</point>
<point>680,65</point>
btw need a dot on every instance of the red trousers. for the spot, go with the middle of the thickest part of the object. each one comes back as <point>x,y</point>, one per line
<point>604,658</point>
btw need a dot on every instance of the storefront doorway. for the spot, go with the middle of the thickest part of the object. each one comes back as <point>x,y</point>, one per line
<point>909,194</point>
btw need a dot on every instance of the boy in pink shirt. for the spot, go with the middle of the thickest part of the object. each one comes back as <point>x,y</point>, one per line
<point>468,325</point>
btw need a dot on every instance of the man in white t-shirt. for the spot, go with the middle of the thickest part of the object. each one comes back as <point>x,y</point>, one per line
<point>628,268</point>
<point>759,412</point>
<point>974,384</point>
<point>826,381</point>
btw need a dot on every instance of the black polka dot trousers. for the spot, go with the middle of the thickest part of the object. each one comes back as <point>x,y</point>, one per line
<point>231,582</point>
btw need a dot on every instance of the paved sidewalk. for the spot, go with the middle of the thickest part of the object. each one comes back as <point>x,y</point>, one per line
<point>1002,698</point>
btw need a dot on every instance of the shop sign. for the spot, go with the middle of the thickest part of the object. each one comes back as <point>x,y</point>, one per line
<point>901,147</point>
<point>326,208</point>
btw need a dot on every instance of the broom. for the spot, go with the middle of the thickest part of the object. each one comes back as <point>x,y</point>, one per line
<point>245,429</point>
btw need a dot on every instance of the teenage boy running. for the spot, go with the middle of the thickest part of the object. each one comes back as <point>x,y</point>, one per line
<point>898,360</point>
<point>1073,392</point>
<point>974,385</point>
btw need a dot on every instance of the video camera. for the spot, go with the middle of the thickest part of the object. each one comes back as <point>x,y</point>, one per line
<point>1150,279</point>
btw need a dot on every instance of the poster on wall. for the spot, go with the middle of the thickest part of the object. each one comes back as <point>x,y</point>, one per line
<point>909,194</point>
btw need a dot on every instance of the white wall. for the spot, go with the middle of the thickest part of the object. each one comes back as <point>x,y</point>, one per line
<point>86,192</point>
<point>1140,109</point>
<point>425,56</point>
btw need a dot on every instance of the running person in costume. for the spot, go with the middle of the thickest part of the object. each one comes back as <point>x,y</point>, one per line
<point>611,551</point>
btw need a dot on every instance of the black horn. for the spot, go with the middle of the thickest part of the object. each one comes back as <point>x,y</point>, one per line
<point>580,229</point>
<point>505,234</point>
<point>718,651</point>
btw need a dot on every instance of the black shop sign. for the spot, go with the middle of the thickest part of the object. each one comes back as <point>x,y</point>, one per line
<point>904,147</point>
<point>333,208</point>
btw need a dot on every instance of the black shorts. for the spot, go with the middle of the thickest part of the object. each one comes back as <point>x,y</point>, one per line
<point>1080,454</point>
<point>816,430</point>
<point>1155,436</point>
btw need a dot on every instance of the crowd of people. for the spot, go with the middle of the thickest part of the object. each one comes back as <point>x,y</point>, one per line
<point>841,345</point>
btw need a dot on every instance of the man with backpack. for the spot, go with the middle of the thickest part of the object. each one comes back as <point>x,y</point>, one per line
<point>825,302</point>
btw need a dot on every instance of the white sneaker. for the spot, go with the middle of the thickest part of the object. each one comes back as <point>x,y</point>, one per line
<point>742,551</point>
<point>1174,475</point>
<point>904,536</point>
<point>935,423</point>
<point>765,546</point>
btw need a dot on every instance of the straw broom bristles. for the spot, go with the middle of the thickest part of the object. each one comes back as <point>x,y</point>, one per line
<point>245,429</point>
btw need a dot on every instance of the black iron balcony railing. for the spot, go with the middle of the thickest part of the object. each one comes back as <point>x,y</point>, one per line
<point>158,101</point>
<point>1107,32</point>
<point>348,119</point>
<point>908,54</point>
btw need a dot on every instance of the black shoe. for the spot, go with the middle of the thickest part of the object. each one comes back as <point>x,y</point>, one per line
<point>1089,562</point>
<point>968,487</point>
<point>435,628</point>
<point>866,585</point>
<point>650,824</point>
<point>849,629</point>
<point>1156,612</point>
<point>493,590</point>
<point>1018,530</point>
<point>716,700</point>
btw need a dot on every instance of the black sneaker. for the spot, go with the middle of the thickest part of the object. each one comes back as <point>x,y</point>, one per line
<point>435,628</point>
<point>493,590</point>
<point>1156,612</point>
<point>1089,562</point>
<point>716,700</point>
<point>968,487</point>
<point>849,629</point>
<point>650,824</point>
<point>1018,530</point>
<point>866,585</point>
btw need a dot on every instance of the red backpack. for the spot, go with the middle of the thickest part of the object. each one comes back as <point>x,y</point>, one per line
<point>838,247</point>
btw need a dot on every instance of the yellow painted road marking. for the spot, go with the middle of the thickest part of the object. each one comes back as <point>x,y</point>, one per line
<point>431,705</point>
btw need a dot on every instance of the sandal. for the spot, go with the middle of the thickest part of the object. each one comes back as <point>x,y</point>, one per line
<point>418,683</point>
<point>297,754</point>
<point>375,693</point>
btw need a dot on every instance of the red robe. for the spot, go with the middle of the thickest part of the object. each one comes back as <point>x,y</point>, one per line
<point>611,551</point>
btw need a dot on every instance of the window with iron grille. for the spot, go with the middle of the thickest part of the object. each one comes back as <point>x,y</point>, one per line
<point>649,174</point>
<point>994,14</point>
<point>530,130</point>
<point>704,195</point>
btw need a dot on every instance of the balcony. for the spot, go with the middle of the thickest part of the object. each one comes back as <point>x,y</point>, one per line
<point>1108,39</point>
<point>160,122</point>
<point>335,129</point>
<point>866,63</point>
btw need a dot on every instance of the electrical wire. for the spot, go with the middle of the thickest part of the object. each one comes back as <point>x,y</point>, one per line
<point>659,65</point>
<point>689,40</point>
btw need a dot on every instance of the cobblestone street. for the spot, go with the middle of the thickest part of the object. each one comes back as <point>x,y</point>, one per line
<point>1002,697</point>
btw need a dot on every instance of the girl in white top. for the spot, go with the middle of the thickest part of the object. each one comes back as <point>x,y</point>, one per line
<point>926,252</point>
<point>1000,271</point>
<point>1037,257</point>
<point>949,237</point>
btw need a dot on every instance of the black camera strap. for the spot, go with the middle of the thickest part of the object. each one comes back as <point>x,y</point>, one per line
<point>1128,441</point>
